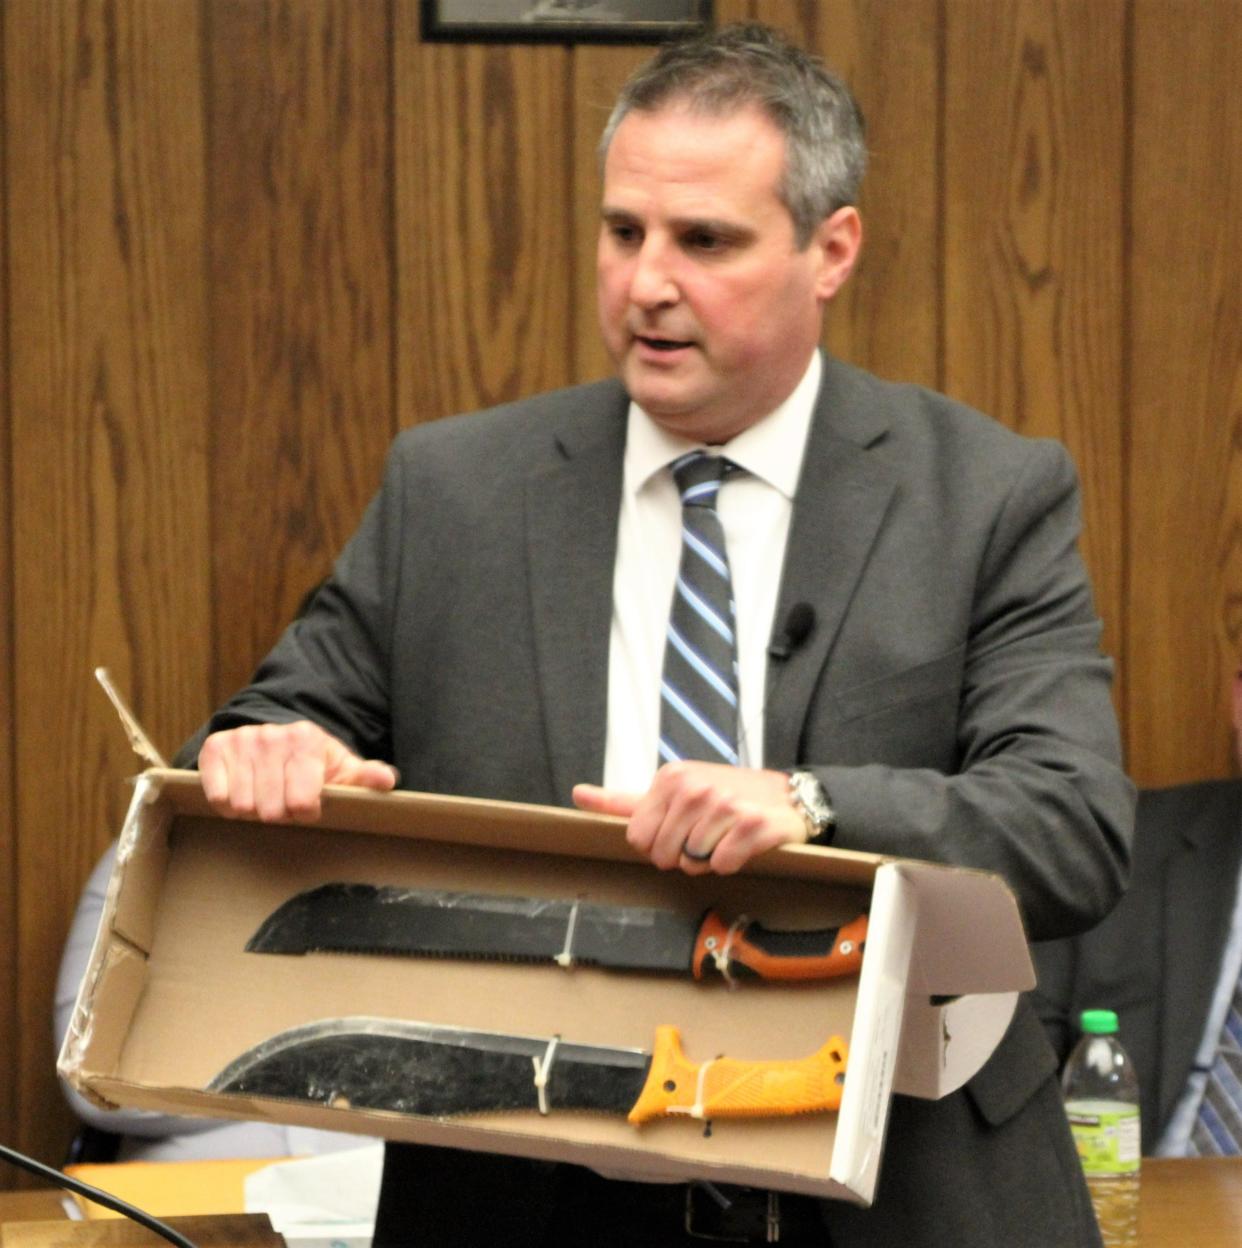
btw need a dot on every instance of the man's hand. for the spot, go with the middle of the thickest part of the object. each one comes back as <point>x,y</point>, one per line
<point>703,816</point>
<point>278,771</point>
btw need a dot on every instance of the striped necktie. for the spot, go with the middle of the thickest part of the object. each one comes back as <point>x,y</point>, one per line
<point>1218,1128</point>
<point>698,692</point>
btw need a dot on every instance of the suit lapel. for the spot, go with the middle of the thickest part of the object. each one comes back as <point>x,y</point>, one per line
<point>843,494</point>
<point>571,509</point>
<point>571,527</point>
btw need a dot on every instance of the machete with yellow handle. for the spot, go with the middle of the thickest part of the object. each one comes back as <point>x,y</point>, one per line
<point>429,1070</point>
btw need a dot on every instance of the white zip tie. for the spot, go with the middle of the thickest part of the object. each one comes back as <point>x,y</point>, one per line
<point>721,956</point>
<point>697,1110</point>
<point>566,957</point>
<point>543,1069</point>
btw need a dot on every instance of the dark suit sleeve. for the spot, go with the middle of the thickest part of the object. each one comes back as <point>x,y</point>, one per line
<point>1036,791</point>
<point>1053,996</point>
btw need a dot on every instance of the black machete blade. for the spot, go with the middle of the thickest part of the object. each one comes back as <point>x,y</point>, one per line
<point>421,1068</point>
<point>366,918</point>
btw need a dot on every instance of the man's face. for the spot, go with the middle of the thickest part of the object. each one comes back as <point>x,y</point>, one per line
<point>708,308</point>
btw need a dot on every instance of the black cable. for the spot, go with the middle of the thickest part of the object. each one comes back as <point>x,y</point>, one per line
<point>115,1203</point>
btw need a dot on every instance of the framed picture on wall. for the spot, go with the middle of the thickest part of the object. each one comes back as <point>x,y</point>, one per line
<point>563,21</point>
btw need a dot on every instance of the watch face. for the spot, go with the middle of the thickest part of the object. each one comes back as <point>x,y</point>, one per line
<point>811,797</point>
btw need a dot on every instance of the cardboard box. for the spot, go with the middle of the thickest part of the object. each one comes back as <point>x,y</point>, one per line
<point>171,997</point>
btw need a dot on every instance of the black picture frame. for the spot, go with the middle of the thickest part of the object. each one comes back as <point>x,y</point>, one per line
<point>616,21</point>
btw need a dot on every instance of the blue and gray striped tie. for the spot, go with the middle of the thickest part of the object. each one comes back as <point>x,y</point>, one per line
<point>698,693</point>
<point>1218,1128</point>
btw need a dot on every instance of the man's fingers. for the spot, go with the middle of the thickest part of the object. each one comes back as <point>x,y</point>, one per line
<point>703,817</point>
<point>228,781</point>
<point>693,820</point>
<point>717,815</point>
<point>682,811</point>
<point>270,758</point>
<point>751,834</point>
<point>278,771</point>
<point>304,781</point>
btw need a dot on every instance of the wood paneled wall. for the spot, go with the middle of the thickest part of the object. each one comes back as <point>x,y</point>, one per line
<point>245,241</point>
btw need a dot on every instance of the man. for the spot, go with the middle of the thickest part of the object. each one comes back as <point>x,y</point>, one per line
<point>1168,960</point>
<point>914,636</point>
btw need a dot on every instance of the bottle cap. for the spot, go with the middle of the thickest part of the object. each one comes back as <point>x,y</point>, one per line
<point>1099,1022</point>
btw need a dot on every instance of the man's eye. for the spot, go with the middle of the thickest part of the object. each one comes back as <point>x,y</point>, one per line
<point>701,240</point>
<point>624,233</point>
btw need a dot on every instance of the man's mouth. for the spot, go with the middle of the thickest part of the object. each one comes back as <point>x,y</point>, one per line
<point>662,344</point>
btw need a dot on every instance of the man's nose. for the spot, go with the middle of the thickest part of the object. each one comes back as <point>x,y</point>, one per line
<point>652,284</point>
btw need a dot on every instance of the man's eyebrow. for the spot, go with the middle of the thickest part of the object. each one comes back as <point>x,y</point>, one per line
<point>709,225</point>
<point>714,225</point>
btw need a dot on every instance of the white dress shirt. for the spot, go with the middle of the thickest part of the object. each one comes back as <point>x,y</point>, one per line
<point>755,508</point>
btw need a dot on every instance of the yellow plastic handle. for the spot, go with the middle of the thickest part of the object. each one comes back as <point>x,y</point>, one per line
<point>729,1088</point>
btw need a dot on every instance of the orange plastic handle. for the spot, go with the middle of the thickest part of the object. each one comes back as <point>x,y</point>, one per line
<point>824,954</point>
<point>729,1088</point>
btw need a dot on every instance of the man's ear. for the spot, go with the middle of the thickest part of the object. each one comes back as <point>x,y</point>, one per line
<point>838,240</point>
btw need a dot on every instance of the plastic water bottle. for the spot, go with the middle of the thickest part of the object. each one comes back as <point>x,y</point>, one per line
<point>1102,1101</point>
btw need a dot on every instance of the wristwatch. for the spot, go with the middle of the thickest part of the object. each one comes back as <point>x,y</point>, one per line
<point>810,799</point>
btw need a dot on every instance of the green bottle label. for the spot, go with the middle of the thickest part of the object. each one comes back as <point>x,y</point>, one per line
<point>1107,1137</point>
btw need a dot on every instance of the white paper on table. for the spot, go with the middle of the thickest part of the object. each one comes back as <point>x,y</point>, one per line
<point>326,1201</point>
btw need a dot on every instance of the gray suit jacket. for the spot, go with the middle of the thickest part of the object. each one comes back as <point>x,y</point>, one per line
<point>951,696</point>
<point>1156,958</point>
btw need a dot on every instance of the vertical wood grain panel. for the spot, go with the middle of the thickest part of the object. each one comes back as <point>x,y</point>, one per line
<point>887,318</point>
<point>105,205</point>
<point>485,201</point>
<point>8,725</point>
<point>301,301</point>
<point>598,74</point>
<point>1185,533</point>
<point>1034,183</point>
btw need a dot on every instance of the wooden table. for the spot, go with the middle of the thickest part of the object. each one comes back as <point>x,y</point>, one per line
<point>37,1219</point>
<point>1192,1203</point>
<point>227,1230</point>
<point>1183,1204</point>
<point>35,1206</point>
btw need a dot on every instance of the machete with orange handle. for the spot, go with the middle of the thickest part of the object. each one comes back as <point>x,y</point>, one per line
<point>367,918</point>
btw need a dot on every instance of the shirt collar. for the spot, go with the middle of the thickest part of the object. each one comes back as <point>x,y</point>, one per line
<point>771,449</point>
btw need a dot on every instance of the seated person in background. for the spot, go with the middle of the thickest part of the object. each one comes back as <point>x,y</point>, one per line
<point>1168,960</point>
<point>149,1136</point>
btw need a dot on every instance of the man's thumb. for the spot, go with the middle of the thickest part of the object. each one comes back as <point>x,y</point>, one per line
<point>600,801</point>
<point>367,773</point>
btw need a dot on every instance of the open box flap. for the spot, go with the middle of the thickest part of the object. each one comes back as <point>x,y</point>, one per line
<point>117,962</point>
<point>876,1037</point>
<point>969,962</point>
<point>139,742</point>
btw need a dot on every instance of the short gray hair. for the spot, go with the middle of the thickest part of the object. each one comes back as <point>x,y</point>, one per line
<point>719,73</point>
